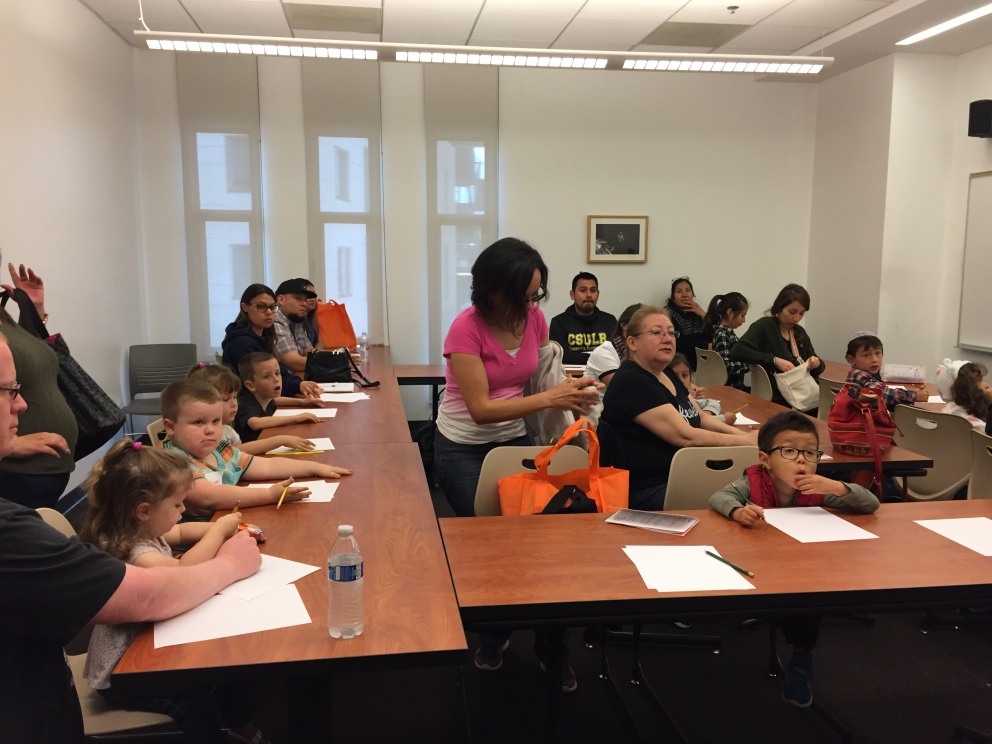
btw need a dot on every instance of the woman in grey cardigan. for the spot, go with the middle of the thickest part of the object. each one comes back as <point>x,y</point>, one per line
<point>777,342</point>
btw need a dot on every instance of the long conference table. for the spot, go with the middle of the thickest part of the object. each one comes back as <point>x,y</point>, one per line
<point>411,614</point>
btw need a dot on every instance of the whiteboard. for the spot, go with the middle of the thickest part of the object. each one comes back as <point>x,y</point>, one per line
<point>975,319</point>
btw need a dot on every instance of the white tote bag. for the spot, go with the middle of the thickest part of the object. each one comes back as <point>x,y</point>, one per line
<point>799,388</point>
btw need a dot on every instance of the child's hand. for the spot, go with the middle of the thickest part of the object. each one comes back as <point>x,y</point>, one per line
<point>293,493</point>
<point>749,516</point>
<point>305,418</point>
<point>310,389</point>
<point>729,418</point>
<point>331,471</point>
<point>228,524</point>
<point>812,483</point>
<point>294,443</point>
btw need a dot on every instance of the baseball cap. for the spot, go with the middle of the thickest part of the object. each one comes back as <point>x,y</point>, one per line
<point>295,286</point>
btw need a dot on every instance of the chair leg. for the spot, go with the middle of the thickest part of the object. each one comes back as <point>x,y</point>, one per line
<point>969,734</point>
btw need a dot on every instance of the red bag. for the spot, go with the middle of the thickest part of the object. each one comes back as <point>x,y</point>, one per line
<point>861,427</point>
<point>334,326</point>
<point>529,493</point>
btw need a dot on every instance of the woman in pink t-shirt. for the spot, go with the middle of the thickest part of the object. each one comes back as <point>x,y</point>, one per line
<point>491,351</point>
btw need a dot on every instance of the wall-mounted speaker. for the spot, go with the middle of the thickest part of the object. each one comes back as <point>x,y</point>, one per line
<point>980,119</point>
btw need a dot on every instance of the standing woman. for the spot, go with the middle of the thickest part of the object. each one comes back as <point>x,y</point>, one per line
<point>687,316</point>
<point>652,414</point>
<point>491,351</point>
<point>37,470</point>
<point>777,342</point>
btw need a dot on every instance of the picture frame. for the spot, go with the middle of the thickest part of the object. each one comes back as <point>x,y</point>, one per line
<point>616,239</point>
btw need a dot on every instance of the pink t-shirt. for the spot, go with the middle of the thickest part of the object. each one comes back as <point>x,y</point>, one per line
<point>507,374</point>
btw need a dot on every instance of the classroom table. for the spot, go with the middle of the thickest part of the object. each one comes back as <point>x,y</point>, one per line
<point>423,374</point>
<point>411,613</point>
<point>895,461</point>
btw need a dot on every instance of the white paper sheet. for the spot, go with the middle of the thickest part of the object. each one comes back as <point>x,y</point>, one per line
<point>974,533</point>
<point>344,397</point>
<point>318,412</point>
<point>743,420</point>
<point>934,399</point>
<point>337,387</point>
<point>222,617</point>
<point>320,443</point>
<point>684,568</point>
<point>321,492</point>
<point>273,573</point>
<point>809,524</point>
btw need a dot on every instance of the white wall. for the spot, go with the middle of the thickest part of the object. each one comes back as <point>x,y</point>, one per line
<point>721,166</point>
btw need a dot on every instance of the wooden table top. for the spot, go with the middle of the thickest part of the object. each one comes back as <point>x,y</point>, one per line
<point>411,617</point>
<point>420,374</point>
<point>379,420</point>
<point>894,460</point>
<point>570,569</point>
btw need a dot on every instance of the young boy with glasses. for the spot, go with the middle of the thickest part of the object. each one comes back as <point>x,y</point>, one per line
<point>788,451</point>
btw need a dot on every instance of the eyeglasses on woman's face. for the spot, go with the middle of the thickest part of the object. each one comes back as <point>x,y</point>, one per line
<point>791,453</point>
<point>657,332</point>
<point>263,307</point>
<point>537,297</point>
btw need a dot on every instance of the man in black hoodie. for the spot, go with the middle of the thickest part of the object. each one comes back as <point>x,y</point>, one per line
<point>583,326</point>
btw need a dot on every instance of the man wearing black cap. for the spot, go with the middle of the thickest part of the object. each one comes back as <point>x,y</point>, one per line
<point>292,336</point>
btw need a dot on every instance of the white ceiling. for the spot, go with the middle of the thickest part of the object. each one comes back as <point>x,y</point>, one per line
<point>852,31</point>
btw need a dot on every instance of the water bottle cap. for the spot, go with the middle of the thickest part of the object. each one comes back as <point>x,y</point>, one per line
<point>344,530</point>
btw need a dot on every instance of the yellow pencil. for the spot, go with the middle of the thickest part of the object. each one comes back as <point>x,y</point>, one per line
<point>299,452</point>
<point>235,509</point>
<point>737,410</point>
<point>284,491</point>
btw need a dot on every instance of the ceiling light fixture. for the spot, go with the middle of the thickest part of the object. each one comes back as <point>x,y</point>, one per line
<point>489,56</point>
<point>947,25</point>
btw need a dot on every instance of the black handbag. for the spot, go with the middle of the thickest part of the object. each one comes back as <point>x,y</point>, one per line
<point>570,500</point>
<point>334,365</point>
<point>97,416</point>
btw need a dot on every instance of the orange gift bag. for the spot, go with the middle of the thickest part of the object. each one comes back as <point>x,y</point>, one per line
<point>334,326</point>
<point>529,493</point>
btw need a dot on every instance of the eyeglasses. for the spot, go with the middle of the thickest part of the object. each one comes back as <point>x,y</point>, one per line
<point>657,332</point>
<point>791,453</point>
<point>13,390</point>
<point>263,308</point>
<point>537,297</point>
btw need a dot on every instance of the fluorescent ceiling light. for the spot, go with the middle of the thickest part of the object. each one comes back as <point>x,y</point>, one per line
<point>947,25</point>
<point>568,59</point>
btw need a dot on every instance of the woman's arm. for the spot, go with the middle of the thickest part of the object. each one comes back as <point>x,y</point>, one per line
<point>666,423</point>
<point>25,279</point>
<point>470,373</point>
<point>39,443</point>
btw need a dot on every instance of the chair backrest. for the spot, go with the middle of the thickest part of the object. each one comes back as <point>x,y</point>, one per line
<point>761,383</point>
<point>150,367</point>
<point>980,485</point>
<point>57,520</point>
<point>156,432</point>
<point>504,461</point>
<point>943,437</point>
<point>710,368</point>
<point>699,472</point>
<point>828,389</point>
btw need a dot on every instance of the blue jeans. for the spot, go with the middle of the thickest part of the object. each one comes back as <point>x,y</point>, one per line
<point>33,491</point>
<point>457,467</point>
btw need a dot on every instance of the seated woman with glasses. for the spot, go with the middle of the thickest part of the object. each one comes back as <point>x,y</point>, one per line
<point>253,331</point>
<point>652,415</point>
<point>789,449</point>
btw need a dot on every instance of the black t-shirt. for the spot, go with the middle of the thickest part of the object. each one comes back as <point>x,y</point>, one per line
<point>249,407</point>
<point>51,588</point>
<point>632,391</point>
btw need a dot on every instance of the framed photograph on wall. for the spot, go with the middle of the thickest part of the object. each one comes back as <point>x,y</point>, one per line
<point>616,239</point>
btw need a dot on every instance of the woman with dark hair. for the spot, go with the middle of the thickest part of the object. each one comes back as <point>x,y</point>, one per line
<point>687,316</point>
<point>605,359</point>
<point>777,342</point>
<point>492,350</point>
<point>253,330</point>
<point>37,470</point>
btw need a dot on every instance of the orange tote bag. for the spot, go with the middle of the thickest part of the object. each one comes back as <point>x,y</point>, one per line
<point>529,493</point>
<point>334,326</point>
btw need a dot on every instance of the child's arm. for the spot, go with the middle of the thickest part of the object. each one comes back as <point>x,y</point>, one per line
<point>732,502</point>
<point>271,468</point>
<point>205,539</point>
<point>261,446</point>
<point>837,494</point>
<point>209,497</point>
<point>268,422</point>
<point>282,402</point>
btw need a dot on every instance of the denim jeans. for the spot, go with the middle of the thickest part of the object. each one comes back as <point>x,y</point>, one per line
<point>33,491</point>
<point>458,466</point>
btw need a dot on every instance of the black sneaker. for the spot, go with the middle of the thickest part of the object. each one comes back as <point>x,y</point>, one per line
<point>798,690</point>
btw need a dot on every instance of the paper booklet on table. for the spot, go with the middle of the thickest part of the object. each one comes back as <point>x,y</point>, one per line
<point>672,524</point>
<point>904,373</point>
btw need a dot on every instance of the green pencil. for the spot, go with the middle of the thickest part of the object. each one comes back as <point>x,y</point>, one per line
<point>732,565</point>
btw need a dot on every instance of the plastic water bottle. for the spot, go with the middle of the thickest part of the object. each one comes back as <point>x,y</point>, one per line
<point>364,347</point>
<point>345,569</point>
